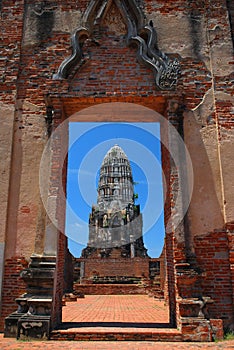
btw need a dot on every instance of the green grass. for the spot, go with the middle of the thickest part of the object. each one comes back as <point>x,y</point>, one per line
<point>229,335</point>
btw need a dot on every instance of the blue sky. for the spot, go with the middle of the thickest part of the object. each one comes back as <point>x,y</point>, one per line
<point>88,144</point>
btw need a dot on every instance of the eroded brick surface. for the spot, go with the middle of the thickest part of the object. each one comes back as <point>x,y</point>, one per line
<point>35,41</point>
<point>12,344</point>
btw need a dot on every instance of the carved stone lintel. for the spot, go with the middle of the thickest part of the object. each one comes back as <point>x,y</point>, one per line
<point>166,71</point>
<point>80,35</point>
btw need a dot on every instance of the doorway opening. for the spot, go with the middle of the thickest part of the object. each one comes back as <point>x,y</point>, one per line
<point>127,115</point>
<point>113,273</point>
<point>88,145</point>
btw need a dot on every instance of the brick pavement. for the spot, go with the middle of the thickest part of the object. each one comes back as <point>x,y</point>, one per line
<point>12,344</point>
<point>116,308</point>
<point>100,309</point>
<point>116,317</point>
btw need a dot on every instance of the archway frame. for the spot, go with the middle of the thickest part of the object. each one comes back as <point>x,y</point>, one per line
<point>130,109</point>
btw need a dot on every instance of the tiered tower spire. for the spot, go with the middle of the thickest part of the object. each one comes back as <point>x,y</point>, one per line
<point>115,221</point>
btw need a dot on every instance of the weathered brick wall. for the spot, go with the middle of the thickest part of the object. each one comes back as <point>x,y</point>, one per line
<point>230,236</point>
<point>116,267</point>
<point>13,285</point>
<point>56,316</point>
<point>11,35</point>
<point>112,73</point>
<point>213,259</point>
<point>12,262</point>
<point>107,289</point>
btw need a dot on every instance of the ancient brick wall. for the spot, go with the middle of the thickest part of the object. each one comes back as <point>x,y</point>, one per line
<point>117,267</point>
<point>13,285</point>
<point>110,72</point>
<point>213,259</point>
<point>107,289</point>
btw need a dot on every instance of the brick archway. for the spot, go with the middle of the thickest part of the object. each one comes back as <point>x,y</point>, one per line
<point>116,110</point>
<point>183,284</point>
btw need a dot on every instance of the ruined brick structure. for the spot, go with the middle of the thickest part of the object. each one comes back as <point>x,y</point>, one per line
<point>126,61</point>
<point>115,251</point>
<point>115,221</point>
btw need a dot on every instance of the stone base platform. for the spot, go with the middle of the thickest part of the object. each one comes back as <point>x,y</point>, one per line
<point>115,333</point>
<point>116,289</point>
<point>108,289</point>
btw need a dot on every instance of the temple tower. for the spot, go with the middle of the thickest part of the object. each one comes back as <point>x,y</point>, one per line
<point>115,221</point>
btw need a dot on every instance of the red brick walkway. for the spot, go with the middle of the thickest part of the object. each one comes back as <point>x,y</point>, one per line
<point>116,308</point>
<point>136,309</point>
<point>116,317</point>
<point>12,344</point>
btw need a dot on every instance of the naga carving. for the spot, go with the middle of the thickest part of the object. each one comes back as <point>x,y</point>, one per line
<point>166,70</point>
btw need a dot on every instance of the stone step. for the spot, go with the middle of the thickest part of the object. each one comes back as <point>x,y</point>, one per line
<point>108,289</point>
<point>116,280</point>
<point>117,334</point>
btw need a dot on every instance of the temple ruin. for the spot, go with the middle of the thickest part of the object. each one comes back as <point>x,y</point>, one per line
<point>147,61</point>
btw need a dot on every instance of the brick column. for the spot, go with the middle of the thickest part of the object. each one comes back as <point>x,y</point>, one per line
<point>11,263</point>
<point>190,305</point>
<point>230,235</point>
<point>40,308</point>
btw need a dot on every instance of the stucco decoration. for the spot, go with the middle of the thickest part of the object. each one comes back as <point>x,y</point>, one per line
<point>139,33</point>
